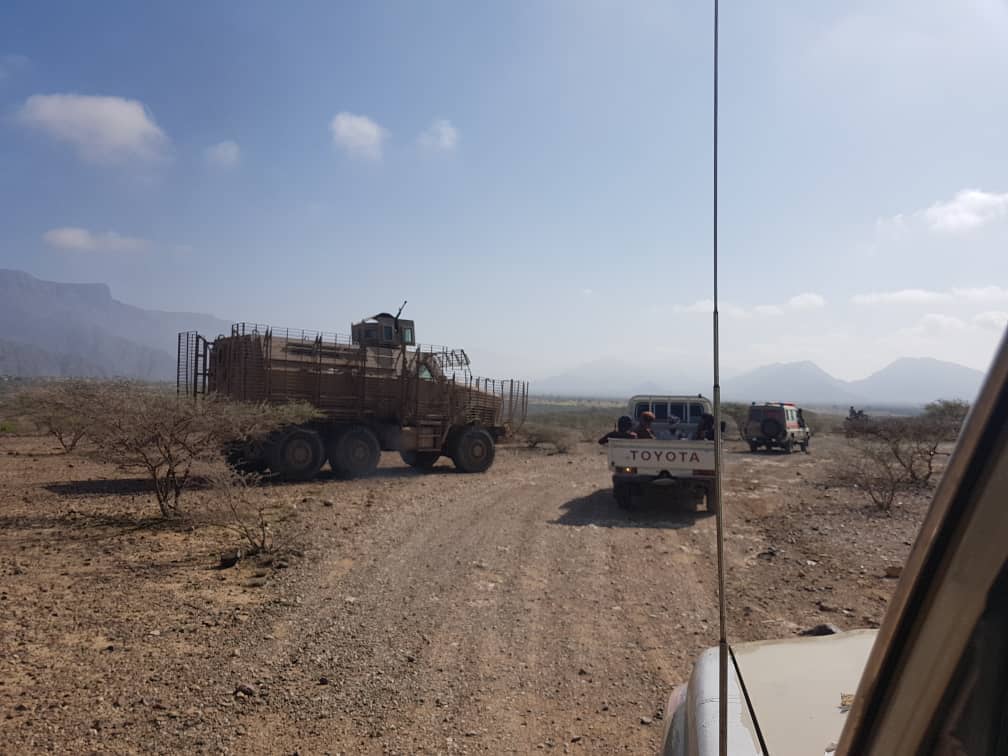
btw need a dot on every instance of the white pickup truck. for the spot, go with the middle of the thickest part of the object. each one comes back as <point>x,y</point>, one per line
<point>680,466</point>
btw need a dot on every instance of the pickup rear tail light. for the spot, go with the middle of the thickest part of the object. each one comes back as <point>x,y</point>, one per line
<point>703,473</point>
<point>627,470</point>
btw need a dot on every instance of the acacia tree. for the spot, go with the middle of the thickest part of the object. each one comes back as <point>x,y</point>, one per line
<point>151,429</point>
<point>60,408</point>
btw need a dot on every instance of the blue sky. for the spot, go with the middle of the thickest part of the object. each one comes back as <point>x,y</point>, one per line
<point>533,177</point>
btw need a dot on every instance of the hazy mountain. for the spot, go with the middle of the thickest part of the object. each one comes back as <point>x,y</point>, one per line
<point>918,380</point>
<point>789,382</point>
<point>907,381</point>
<point>619,379</point>
<point>79,329</point>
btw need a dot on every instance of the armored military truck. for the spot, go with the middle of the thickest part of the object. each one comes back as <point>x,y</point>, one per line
<point>377,390</point>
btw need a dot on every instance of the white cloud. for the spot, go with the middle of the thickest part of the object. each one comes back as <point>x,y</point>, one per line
<point>101,128</point>
<point>982,294</point>
<point>901,296</point>
<point>440,135</point>
<point>225,154</point>
<point>587,292</point>
<point>924,296</point>
<point>82,240</point>
<point>806,301</point>
<point>358,135</point>
<point>968,210</point>
<point>935,322</point>
<point>771,310</point>
<point>994,320</point>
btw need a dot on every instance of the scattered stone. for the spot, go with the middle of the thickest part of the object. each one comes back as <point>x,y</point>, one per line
<point>245,690</point>
<point>328,503</point>
<point>471,733</point>
<point>323,680</point>
<point>893,571</point>
<point>645,720</point>
<point>576,739</point>
<point>767,554</point>
<point>256,582</point>
<point>825,607</point>
<point>229,559</point>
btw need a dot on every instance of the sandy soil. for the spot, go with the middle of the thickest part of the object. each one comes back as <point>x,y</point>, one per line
<point>411,613</point>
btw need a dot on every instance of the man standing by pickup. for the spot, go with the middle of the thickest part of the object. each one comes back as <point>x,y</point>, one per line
<point>643,429</point>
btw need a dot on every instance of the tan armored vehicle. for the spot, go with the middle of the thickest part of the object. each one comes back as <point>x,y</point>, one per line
<point>378,391</point>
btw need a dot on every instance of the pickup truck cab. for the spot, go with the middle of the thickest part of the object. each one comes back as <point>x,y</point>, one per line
<point>932,680</point>
<point>678,465</point>
<point>676,415</point>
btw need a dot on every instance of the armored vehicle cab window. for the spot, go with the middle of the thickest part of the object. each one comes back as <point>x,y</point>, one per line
<point>407,336</point>
<point>695,411</point>
<point>640,409</point>
<point>660,411</point>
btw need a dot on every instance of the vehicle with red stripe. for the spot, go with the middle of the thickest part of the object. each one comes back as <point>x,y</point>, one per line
<point>776,425</point>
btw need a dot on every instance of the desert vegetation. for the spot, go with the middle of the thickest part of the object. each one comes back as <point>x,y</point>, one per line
<point>893,455</point>
<point>149,429</point>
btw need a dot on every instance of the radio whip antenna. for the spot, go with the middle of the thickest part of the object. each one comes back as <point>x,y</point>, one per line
<point>718,498</point>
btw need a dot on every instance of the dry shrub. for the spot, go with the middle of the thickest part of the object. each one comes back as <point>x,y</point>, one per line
<point>151,429</point>
<point>61,409</point>
<point>562,439</point>
<point>242,508</point>
<point>890,455</point>
<point>872,468</point>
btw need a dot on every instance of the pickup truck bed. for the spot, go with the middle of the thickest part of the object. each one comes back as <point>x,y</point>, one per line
<point>679,465</point>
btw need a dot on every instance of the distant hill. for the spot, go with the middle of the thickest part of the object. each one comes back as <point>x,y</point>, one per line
<point>907,381</point>
<point>919,380</point>
<point>60,329</point>
<point>790,382</point>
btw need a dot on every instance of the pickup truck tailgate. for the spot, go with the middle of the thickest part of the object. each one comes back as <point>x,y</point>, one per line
<point>681,457</point>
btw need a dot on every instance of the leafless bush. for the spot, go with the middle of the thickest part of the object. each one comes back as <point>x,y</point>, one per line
<point>872,468</point>
<point>149,428</point>
<point>562,439</point>
<point>60,409</point>
<point>912,442</point>
<point>240,507</point>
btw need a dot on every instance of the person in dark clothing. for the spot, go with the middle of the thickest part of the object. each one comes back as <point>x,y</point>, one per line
<point>623,426</point>
<point>705,428</point>
<point>643,429</point>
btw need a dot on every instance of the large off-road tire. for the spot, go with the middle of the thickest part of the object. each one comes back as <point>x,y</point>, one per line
<point>771,428</point>
<point>354,452</point>
<point>296,454</point>
<point>473,451</point>
<point>421,460</point>
<point>804,446</point>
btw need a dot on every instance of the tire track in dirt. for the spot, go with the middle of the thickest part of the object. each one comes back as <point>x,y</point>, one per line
<point>516,610</point>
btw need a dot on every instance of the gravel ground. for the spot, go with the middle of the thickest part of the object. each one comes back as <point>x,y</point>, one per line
<point>509,612</point>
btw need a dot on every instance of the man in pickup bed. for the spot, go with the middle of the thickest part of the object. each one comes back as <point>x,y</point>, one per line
<point>623,426</point>
<point>643,429</point>
<point>705,428</point>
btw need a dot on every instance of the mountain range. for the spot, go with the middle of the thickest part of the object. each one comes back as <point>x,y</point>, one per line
<point>906,381</point>
<point>60,329</point>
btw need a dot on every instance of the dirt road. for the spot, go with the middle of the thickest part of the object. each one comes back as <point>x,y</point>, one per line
<point>503,613</point>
